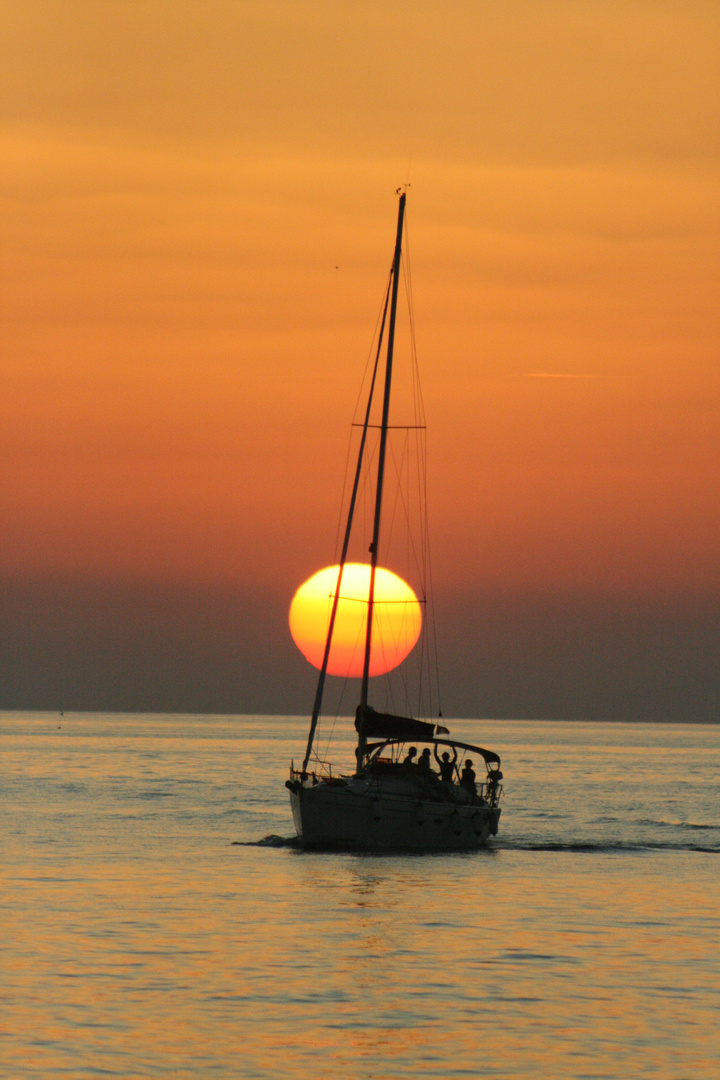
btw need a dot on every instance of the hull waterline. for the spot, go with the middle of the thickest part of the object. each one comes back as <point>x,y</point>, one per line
<point>363,814</point>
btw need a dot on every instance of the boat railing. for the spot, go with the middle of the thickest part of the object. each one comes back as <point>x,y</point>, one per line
<point>489,792</point>
<point>323,771</point>
<point>484,793</point>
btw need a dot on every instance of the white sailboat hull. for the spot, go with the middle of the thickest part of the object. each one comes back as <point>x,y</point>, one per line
<point>373,814</point>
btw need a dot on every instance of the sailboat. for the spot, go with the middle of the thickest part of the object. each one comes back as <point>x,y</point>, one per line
<point>394,799</point>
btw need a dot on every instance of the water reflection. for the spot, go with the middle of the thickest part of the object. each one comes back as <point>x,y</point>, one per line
<point>139,942</point>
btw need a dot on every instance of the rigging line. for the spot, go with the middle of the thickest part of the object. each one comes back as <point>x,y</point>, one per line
<point>402,673</point>
<point>418,402</point>
<point>379,322</point>
<point>346,679</point>
<point>433,655</point>
<point>366,490</point>
<point>419,424</point>
<point>410,328</point>
<point>378,603</point>
<point>381,465</point>
<point>346,543</point>
<point>402,489</point>
<point>400,497</point>
<point>422,654</point>
<point>346,474</point>
<point>426,647</point>
<point>333,725</point>
<point>393,427</point>
<point>389,694</point>
<point>334,722</point>
<point>421,673</point>
<point>420,414</point>
<point>392,510</point>
<point>407,278</point>
<point>405,673</point>
<point>419,444</point>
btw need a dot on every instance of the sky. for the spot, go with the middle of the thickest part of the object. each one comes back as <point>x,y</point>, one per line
<point>198,207</point>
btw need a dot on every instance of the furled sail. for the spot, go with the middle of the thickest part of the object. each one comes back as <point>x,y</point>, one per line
<point>377,725</point>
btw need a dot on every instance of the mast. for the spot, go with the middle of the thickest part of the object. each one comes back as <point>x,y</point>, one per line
<point>346,543</point>
<point>380,474</point>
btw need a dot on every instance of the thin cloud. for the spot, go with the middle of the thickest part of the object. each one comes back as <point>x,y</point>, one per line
<point>558,375</point>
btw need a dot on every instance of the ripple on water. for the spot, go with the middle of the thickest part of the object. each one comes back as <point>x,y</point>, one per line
<point>160,920</point>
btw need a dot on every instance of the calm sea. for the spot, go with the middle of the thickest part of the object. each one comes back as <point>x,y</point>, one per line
<point>140,939</point>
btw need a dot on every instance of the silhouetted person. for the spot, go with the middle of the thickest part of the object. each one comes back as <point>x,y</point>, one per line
<point>423,764</point>
<point>409,763</point>
<point>467,777</point>
<point>447,767</point>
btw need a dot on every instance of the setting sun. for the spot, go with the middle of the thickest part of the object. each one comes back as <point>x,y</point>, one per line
<point>396,619</point>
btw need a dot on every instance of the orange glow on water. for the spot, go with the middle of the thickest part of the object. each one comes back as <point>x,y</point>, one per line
<point>396,619</point>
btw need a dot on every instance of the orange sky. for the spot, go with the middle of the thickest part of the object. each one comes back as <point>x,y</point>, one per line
<point>198,213</point>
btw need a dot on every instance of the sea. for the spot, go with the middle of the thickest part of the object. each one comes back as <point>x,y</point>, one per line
<point>158,919</point>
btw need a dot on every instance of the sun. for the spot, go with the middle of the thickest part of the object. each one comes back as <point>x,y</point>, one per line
<point>397,619</point>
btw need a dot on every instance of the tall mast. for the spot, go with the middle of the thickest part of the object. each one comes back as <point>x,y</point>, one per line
<point>346,543</point>
<point>381,471</point>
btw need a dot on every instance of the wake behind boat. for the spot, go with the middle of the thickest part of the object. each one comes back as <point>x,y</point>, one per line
<point>396,798</point>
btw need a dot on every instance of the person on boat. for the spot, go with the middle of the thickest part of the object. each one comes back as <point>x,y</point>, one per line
<point>423,765</point>
<point>409,763</point>
<point>467,777</point>
<point>447,766</point>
